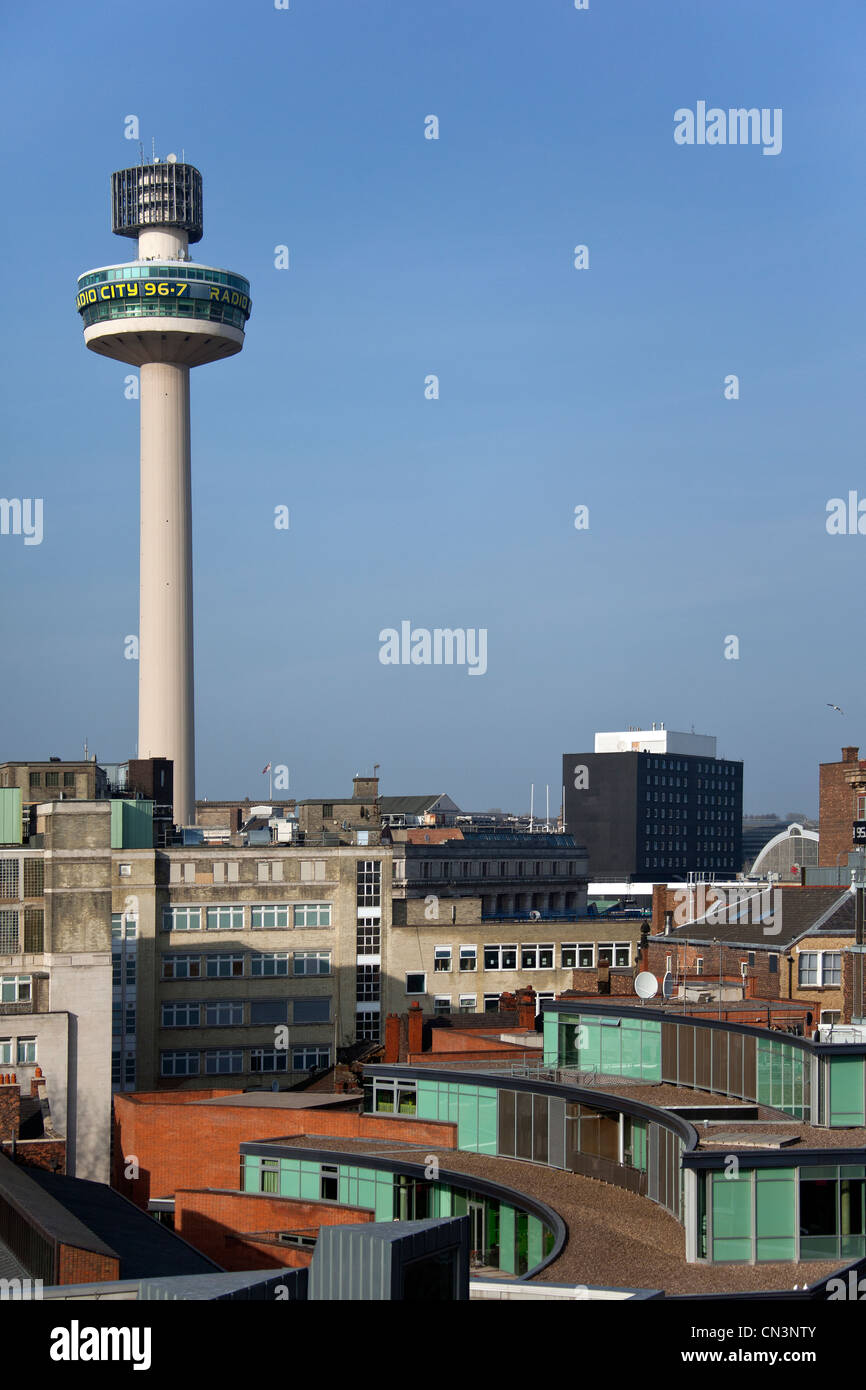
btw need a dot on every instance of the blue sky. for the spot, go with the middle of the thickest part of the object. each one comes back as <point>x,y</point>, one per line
<point>558,387</point>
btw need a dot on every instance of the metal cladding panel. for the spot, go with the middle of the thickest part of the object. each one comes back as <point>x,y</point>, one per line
<point>131,824</point>
<point>10,816</point>
<point>365,1263</point>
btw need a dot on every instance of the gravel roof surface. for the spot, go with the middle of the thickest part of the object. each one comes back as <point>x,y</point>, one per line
<point>615,1238</point>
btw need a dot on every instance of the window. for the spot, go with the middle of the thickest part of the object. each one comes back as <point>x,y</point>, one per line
<point>699,965</point>
<point>416,983</point>
<point>222,967</point>
<point>268,1059</point>
<point>327,810</point>
<point>312,962</point>
<point>469,958</point>
<point>367,1025</point>
<point>491,1003</point>
<point>34,877</point>
<point>269,916</point>
<point>367,983</point>
<point>268,1011</point>
<point>179,1064</point>
<point>622,953</point>
<point>269,963</point>
<point>8,933</point>
<point>224,1061</point>
<point>368,936</point>
<point>183,1014</point>
<point>15,989</point>
<point>5,1052</point>
<point>225,919</point>
<point>442,958</point>
<point>468,1003</point>
<point>181,919</point>
<point>329,1182</point>
<point>831,962</point>
<point>500,957</point>
<point>828,1016</point>
<point>269,1175</point>
<point>369,883</point>
<point>807,968</point>
<point>69,779</point>
<point>442,1003</point>
<point>774,965</point>
<point>224,1013</point>
<point>181,967</point>
<point>26,1051</point>
<point>311,1058</point>
<point>312,1010</point>
<point>528,957</point>
<point>36,779</point>
<point>313,915</point>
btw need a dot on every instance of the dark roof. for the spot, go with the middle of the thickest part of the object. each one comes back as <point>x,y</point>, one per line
<point>796,912</point>
<point>408,805</point>
<point>146,1248</point>
<point>38,1204</point>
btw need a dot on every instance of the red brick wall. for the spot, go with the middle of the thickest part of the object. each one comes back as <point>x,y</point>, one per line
<point>10,1107</point>
<point>838,807</point>
<point>49,1154</point>
<point>195,1146</point>
<point>211,1222</point>
<point>516,1054</point>
<point>86,1267</point>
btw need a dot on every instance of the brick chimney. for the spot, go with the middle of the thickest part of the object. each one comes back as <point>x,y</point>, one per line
<point>850,755</point>
<point>392,1038</point>
<point>365,787</point>
<point>416,1024</point>
<point>10,1108</point>
<point>526,1008</point>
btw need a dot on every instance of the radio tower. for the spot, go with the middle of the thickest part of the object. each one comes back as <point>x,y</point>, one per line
<point>164,313</point>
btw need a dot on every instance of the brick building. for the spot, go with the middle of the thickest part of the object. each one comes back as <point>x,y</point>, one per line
<point>842,794</point>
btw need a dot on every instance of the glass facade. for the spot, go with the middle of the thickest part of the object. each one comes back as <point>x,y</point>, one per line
<point>770,1070</point>
<point>502,1236</point>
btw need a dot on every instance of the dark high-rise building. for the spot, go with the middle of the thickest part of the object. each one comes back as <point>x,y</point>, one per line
<point>654,804</point>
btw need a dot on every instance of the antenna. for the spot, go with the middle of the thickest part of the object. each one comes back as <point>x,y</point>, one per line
<point>531,803</point>
<point>547,810</point>
<point>152,149</point>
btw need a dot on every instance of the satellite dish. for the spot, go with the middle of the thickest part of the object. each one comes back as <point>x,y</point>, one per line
<point>535,916</point>
<point>171,159</point>
<point>646,986</point>
<point>667,985</point>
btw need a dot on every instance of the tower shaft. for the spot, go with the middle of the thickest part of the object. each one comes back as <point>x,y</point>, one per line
<point>166,721</point>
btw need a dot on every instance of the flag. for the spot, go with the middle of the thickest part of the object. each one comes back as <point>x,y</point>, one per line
<point>266,769</point>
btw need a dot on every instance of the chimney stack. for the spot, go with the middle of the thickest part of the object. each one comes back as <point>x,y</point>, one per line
<point>850,755</point>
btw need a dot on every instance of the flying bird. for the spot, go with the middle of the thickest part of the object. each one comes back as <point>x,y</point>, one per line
<point>829,706</point>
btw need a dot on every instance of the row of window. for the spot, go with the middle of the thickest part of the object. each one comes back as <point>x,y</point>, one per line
<point>17,1051</point>
<point>156,271</point>
<point>532,956</point>
<point>222,965</point>
<point>234,1061</point>
<point>52,779</point>
<point>819,968</point>
<point>482,868</point>
<point>236,1013</point>
<point>191,309</point>
<point>262,917</point>
<point>468,1003</point>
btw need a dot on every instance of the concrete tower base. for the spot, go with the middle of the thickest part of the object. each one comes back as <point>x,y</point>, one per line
<point>166,727</point>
